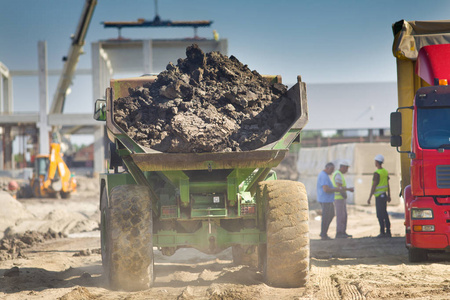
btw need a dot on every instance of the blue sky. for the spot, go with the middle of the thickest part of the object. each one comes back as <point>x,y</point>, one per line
<point>324,41</point>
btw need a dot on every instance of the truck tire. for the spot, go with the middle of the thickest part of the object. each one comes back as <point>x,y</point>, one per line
<point>284,259</point>
<point>103,231</point>
<point>129,225</point>
<point>64,195</point>
<point>417,255</point>
<point>25,192</point>
<point>36,189</point>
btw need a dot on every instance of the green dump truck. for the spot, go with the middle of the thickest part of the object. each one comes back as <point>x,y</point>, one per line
<point>207,201</point>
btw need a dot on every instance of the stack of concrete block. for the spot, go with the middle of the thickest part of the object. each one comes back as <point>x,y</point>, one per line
<point>361,157</point>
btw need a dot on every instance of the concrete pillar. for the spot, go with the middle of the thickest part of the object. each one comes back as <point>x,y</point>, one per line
<point>370,135</point>
<point>99,150</point>
<point>6,105</point>
<point>2,157</point>
<point>147,49</point>
<point>7,149</point>
<point>44,141</point>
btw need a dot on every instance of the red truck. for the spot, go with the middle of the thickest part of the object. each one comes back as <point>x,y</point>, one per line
<point>420,129</point>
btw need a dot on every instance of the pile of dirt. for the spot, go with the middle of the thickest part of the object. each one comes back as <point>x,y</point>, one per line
<point>78,293</point>
<point>11,212</point>
<point>206,103</point>
<point>11,246</point>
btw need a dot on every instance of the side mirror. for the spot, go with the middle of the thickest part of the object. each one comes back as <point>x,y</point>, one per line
<point>100,110</point>
<point>396,140</point>
<point>396,124</point>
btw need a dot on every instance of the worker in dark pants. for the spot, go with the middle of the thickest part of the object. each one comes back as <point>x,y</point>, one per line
<point>325,196</point>
<point>380,188</point>
<point>340,199</point>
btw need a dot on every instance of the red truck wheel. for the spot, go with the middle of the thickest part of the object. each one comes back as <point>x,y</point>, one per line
<point>285,257</point>
<point>129,245</point>
<point>417,255</point>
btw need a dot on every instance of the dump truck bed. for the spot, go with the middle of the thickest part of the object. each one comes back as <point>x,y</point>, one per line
<point>147,159</point>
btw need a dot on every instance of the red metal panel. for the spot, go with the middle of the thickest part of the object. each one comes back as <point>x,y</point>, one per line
<point>431,159</point>
<point>429,240</point>
<point>433,62</point>
<point>408,199</point>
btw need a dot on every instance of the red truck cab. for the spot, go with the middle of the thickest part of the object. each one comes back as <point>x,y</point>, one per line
<point>427,198</point>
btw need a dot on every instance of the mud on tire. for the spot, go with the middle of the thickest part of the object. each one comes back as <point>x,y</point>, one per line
<point>129,254</point>
<point>285,257</point>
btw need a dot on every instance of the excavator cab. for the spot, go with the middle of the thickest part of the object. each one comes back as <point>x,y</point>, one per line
<point>41,165</point>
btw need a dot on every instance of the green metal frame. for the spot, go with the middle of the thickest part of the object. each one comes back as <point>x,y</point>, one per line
<point>210,238</point>
<point>210,232</point>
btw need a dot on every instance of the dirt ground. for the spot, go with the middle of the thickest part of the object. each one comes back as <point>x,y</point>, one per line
<point>363,267</point>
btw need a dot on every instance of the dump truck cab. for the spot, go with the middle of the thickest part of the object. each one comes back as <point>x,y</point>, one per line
<point>426,143</point>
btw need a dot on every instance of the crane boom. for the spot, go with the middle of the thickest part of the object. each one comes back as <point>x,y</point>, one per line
<point>71,60</point>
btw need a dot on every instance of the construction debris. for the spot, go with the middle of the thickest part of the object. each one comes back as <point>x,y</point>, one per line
<point>206,103</point>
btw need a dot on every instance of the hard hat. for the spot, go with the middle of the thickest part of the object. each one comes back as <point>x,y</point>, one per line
<point>379,158</point>
<point>345,162</point>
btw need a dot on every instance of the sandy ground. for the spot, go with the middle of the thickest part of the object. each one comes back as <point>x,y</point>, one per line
<point>363,267</point>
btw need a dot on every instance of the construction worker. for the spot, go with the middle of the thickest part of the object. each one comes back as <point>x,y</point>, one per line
<point>340,199</point>
<point>325,196</point>
<point>216,35</point>
<point>380,188</point>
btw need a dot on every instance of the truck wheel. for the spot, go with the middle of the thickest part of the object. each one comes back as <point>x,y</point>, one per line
<point>129,225</point>
<point>64,195</point>
<point>417,255</point>
<point>36,189</point>
<point>245,255</point>
<point>285,256</point>
<point>103,231</point>
<point>25,192</point>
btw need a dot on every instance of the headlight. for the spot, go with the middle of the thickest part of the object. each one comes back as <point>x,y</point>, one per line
<point>421,213</point>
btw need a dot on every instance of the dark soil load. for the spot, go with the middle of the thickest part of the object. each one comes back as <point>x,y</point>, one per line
<point>206,103</point>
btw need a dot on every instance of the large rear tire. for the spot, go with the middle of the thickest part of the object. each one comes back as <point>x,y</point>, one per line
<point>104,230</point>
<point>129,253</point>
<point>285,258</point>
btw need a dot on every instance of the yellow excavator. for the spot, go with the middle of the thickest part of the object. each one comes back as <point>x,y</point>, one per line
<point>51,176</point>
